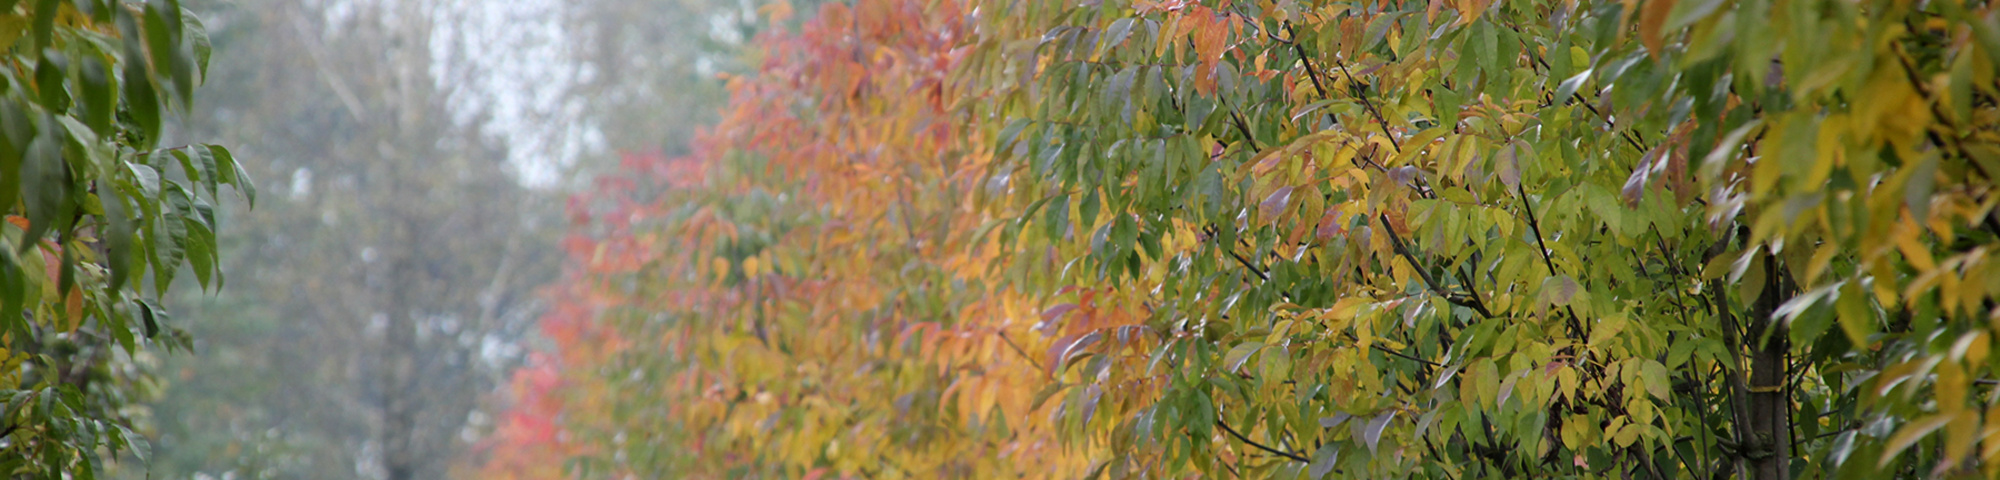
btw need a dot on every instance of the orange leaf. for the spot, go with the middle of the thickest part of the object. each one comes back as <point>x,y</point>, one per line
<point>73,307</point>
<point>1651,19</point>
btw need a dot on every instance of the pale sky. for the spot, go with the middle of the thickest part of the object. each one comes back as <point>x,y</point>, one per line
<point>516,55</point>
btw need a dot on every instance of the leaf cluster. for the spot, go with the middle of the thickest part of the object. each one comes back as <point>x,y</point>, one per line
<point>95,209</point>
<point>1272,238</point>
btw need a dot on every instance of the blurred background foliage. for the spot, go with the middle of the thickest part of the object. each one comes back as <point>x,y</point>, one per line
<point>414,155</point>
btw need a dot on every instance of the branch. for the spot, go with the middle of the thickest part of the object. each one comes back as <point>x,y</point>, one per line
<point>1405,356</point>
<point>1244,128</point>
<point>1536,226</point>
<point>1365,102</point>
<point>1397,241</point>
<point>1232,432</point>
<point>1306,59</point>
<point>1024,354</point>
<point>1246,264</point>
<point>1629,136</point>
<point>1575,322</point>
<point>352,103</point>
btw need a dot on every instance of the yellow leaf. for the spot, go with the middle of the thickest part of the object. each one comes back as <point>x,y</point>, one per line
<point>1950,387</point>
<point>1751,284</point>
<point>1821,259</point>
<point>1990,449</point>
<point>1960,435</point>
<point>1628,435</point>
<point>1911,433</point>
<point>1907,242</point>
<point>1469,10</point>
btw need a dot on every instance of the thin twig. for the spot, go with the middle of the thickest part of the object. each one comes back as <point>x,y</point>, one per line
<point>1247,440</point>
<point>1365,102</point>
<point>1246,264</point>
<point>1024,354</point>
<point>1575,322</point>
<point>1405,356</point>
<point>1244,128</point>
<point>1397,241</point>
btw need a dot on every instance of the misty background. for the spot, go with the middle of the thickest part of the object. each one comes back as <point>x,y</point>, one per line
<point>416,155</point>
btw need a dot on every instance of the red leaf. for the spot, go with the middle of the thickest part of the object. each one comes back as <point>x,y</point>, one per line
<point>1052,318</point>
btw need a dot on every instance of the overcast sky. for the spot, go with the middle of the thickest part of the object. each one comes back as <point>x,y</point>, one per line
<point>515,53</point>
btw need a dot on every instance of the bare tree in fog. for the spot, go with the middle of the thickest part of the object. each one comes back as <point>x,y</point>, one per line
<point>377,301</point>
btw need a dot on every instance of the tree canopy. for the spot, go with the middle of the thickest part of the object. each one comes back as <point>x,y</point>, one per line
<point>1278,239</point>
<point>100,218</point>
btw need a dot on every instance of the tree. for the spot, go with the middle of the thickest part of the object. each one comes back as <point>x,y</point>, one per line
<point>652,64</point>
<point>1360,240</point>
<point>100,217</point>
<point>379,293</point>
<point>723,327</point>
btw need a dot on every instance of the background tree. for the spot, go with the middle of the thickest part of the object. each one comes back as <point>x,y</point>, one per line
<point>386,283</point>
<point>652,66</point>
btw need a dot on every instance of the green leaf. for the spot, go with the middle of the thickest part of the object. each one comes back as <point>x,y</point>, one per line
<point>119,237</point>
<point>1323,461</point>
<point>167,56</point>
<point>50,75</point>
<point>232,173</point>
<point>1116,34</point>
<point>151,316</point>
<point>100,101</point>
<point>1055,221</point>
<point>16,130</point>
<point>189,167</point>
<point>1371,433</point>
<point>1570,85</point>
<point>1507,164</point>
<point>45,22</point>
<point>210,174</point>
<point>1233,361</point>
<point>1857,320</point>
<point>45,189</point>
<point>1917,192</point>
<point>143,103</point>
<point>200,247</point>
<point>197,35</point>
<point>1655,375</point>
<point>1687,12</point>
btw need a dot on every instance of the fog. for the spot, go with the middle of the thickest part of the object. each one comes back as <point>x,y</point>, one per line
<point>414,156</point>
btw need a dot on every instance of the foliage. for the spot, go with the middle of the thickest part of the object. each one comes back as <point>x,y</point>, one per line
<point>1280,239</point>
<point>811,261</point>
<point>94,208</point>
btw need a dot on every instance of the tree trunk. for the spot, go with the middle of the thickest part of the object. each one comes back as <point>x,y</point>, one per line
<point>399,455</point>
<point>1770,401</point>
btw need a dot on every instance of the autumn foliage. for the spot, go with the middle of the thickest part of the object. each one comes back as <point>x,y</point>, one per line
<point>1279,239</point>
<point>804,295</point>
